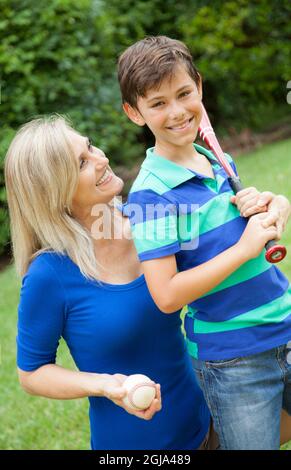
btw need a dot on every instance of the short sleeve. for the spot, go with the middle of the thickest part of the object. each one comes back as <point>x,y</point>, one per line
<point>41,316</point>
<point>153,221</point>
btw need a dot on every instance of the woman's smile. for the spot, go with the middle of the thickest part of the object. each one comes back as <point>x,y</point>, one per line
<point>107,176</point>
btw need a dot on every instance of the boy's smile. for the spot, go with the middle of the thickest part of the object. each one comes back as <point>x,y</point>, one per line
<point>172,112</point>
<point>182,127</point>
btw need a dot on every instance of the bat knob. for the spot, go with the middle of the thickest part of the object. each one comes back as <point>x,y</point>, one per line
<point>275,253</point>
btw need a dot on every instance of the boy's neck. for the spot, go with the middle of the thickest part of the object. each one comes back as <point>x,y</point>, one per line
<point>186,156</point>
<point>176,154</point>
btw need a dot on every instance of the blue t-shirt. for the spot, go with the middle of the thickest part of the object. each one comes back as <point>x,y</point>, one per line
<point>112,329</point>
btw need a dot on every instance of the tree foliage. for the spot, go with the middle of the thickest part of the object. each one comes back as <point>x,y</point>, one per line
<point>60,56</point>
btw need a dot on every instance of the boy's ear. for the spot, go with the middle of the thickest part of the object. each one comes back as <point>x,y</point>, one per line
<point>133,114</point>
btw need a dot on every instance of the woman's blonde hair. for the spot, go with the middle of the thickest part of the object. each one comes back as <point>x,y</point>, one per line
<point>41,174</point>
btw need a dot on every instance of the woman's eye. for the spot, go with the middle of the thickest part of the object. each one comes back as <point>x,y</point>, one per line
<point>82,163</point>
<point>90,144</point>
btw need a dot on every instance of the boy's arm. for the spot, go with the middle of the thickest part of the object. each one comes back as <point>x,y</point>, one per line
<point>171,290</point>
<point>250,201</point>
<point>280,209</point>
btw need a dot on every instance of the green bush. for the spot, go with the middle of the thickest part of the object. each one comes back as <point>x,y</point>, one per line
<point>60,56</point>
<point>6,137</point>
<point>57,56</point>
<point>242,49</point>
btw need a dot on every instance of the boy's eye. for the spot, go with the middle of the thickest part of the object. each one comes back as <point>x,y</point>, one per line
<point>185,93</point>
<point>157,104</point>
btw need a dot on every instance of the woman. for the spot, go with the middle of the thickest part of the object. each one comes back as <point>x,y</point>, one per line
<point>86,285</point>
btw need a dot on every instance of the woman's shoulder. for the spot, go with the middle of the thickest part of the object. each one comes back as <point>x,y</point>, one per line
<point>50,258</point>
<point>47,265</point>
<point>45,278</point>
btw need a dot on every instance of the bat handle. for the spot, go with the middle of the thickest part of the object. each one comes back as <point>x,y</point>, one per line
<point>235,184</point>
<point>274,251</point>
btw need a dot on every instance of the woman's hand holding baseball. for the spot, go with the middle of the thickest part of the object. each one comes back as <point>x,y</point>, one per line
<point>114,391</point>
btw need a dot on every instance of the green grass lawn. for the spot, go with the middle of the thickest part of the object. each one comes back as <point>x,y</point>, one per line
<point>29,422</point>
<point>269,168</point>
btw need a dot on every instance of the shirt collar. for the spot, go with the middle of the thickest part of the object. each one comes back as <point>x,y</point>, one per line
<point>169,172</point>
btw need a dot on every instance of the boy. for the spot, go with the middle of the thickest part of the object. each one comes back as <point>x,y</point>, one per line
<point>239,307</point>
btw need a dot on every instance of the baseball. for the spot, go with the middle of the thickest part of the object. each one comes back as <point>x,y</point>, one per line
<point>140,391</point>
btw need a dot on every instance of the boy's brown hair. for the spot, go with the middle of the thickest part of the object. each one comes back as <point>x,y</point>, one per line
<point>145,64</point>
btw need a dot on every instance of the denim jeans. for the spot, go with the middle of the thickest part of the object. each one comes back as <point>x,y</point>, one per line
<point>245,396</point>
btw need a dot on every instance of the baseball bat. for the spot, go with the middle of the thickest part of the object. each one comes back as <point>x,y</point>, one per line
<point>274,252</point>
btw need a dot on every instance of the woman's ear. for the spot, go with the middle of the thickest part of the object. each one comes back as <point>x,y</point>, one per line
<point>133,114</point>
<point>200,91</point>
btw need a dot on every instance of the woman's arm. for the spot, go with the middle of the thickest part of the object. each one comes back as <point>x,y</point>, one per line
<point>171,290</point>
<point>40,327</point>
<point>53,381</point>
